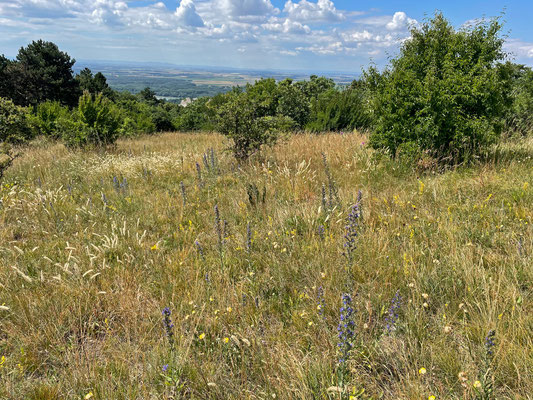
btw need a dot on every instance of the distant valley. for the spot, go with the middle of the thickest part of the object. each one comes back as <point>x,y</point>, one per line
<point>175,83</point>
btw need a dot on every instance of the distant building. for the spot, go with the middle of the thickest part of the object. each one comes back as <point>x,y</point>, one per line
<point>186,102</point>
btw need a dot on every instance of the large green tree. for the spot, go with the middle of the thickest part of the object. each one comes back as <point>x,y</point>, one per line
<point>42,72</point>
<point>445,93</point>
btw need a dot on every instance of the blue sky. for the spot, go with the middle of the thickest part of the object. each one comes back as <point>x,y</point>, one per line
<point>313,35</point>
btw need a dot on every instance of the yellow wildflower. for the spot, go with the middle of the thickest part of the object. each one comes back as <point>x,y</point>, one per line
<point>202,336</point>
<point>422,371</point>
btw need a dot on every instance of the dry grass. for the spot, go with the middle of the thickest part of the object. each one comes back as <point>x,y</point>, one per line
<point>86,269</point>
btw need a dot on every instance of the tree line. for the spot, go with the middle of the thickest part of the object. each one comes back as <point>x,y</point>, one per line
<point>449,94</point>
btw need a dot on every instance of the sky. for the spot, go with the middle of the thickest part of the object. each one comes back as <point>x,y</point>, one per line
<point>311,35</point>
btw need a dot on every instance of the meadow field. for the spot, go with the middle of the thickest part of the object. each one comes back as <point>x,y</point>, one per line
<point>161,269</point>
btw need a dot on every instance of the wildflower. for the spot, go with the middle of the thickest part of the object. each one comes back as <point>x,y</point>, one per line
<point>199,248</point>
<point>425,305</point>
<point>218,228</point>
<point>489,344</point>
<point>351,229</point>
<point>346,328</point>
<point>431,398</point>
<point>447,329</point>
<point>199,172</point>
<point>321,232</point>
<point>422,371</point>
<point>89,395</point>
<point>248,237</point>
<point>393,315</point>
<point>168,325</point>
<point>183,193</point>
<point>202,336</point>
<point>324,199</point>
<point>477,384</point>
<point>425,296</point>
<point>310,323</point>
<point>164,367</point>
<point>229,309</point>
<point>226,340</point>
<point>154,247</point>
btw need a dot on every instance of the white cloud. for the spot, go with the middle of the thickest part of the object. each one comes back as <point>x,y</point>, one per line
<point>400,20</point>
<point>243,8</point>
<point>186,14</point>
<point>321,11</point>
<point>287,26</point>
<point>519,48</point>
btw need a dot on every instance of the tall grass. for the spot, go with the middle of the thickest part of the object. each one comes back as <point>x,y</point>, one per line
<point>447,257</point>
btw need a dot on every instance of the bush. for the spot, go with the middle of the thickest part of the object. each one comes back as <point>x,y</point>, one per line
<point>47,116</point>
<point>238,119</point>
<point>7,156</point>
<point>95,123</point>
<point>14,123</point>
<point>444,93</point>
<point>336,111</point>
<point>520,118</point>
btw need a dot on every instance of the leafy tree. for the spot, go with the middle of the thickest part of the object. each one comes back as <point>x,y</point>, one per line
<point>520,116</point>
<point>292,103</point>
<point>94,84</point>
<point>47,117</point>
<point>265,95</point>
<point>340,110</point>
<point>14,124</point>
<point>316,86</point>
<point>444,93</point>
<point>148,96</point>
<point>45,73</point>
<point>96,122</point>
<point>239,119</point>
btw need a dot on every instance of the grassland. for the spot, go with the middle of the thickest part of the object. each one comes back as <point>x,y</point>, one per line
<point>95,245</point>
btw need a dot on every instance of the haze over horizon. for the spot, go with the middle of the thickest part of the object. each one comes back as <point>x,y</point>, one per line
<point>319,35</point>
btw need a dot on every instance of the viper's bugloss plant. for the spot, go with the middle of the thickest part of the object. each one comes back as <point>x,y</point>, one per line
<point>346,329</point>
<point>168,325</point>
<point>393,314</point>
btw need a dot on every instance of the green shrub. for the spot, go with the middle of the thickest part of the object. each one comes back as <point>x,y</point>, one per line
<point>95,123</point>
<point>520,118</point>
<point>336,111</point>
<point>14,123</point>
<point>46,118</point>
<point>238,120</point>
<point>444,92</point>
